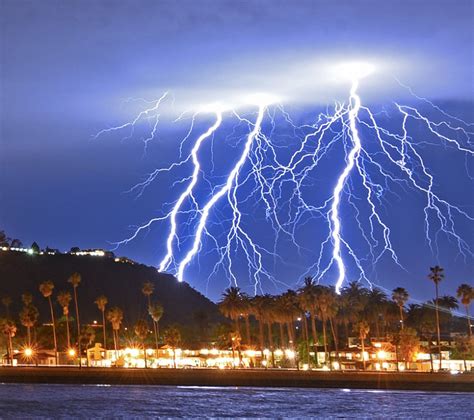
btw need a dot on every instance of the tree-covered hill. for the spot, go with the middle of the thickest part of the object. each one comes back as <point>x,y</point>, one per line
<point>120,282</point>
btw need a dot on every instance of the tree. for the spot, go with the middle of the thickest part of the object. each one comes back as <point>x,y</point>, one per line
<point>231,305</point>
<point>155,310</point>
<point>87,337</point>
<point>464,349</point>
<point>9,329</point>
<point>46,288</point>
<point>28,318</point>
<point>287,304</point>
<point>75,280</point>
<point>246,312</point>
<point>147,289</point>
<point>64,299</point>
<point>307,301</point>
<point>173,339</point>
<point>400,297</point>
<point>465,293</point>
<point>325,301</point>
<point>258,311</point>
<point>409,344</point>
<point>101,303</point>
<point>16,243</point>
<point>141,331</point>
<point>35,248</point>
<point>436,275</point>
<point>362,328</point>
<point>376,302</point>
<point>115,317</point>
<point>4,239</point>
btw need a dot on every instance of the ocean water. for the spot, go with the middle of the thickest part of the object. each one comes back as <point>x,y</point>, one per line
<point>93,401</point>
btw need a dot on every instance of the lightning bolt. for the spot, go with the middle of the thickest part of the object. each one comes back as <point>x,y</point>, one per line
<point>280,173</point>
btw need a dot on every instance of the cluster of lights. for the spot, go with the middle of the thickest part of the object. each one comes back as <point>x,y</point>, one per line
<point>92,253</point>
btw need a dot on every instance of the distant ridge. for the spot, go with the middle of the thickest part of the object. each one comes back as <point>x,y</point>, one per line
<point>121,282</point>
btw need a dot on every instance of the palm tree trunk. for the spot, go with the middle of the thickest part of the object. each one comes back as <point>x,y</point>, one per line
<point>325,340</point>
<point>306,333</point>
<point>270,335</point>
<point>28,331</point>
<point>438,331</point>
<point>10,348</point>
<point>468,321</point>
<point>401,317</point>
<point>260,334</point>
<point>103,330</point>
<point>115,344</point>
<point>155,328</point>
<point>362,340</point>
<point>314,333</point>
<point>67,332</point>
<point>282,335</point>
<point>247,330</point>
<point>54,330</point>
<point>237,324</point>
<point>78,326</point>
<point>144,354</point>
<point>334,335</point>
<point>291,341</point>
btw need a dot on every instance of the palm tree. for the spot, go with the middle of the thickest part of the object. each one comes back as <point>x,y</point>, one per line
<point>258,311</point>
<point>173,339</point>
<point>288,303</point>
<point>325,301</point>
<point>362,328</point>
<point>87,337</point>
<point>29,316</point>
<point>6,302</point>
<point>101,303</point>
<point>9,329</point>
<point>147,290</point>
<point>141,331</point>
<point>465,293</point>
<point>376,301</point>
<point>231,305</point>
<point>115,317</point>
<point>64,299</point>
<point>400,297</point>
<point>46,288</point>
<point>436,275</point>
<point>246,312</point>
<point>75,280</point>
<point>307,301</point>
<point>155,310</point>
<point>27,298</point>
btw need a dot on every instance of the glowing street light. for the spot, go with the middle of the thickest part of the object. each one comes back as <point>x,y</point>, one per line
<point>71,352</point>
<point>28,352</point>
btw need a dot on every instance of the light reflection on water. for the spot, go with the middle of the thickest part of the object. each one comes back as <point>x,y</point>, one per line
<point>25,400</point>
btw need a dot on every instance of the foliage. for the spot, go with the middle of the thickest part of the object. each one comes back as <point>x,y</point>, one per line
<point>409,344</point>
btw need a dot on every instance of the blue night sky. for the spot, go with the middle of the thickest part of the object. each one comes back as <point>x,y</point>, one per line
<point>68,69</point>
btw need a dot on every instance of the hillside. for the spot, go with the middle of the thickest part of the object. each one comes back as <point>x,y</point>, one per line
<point>120,282</point>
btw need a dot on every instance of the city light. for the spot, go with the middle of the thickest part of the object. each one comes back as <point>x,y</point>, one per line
<point>28,352</point>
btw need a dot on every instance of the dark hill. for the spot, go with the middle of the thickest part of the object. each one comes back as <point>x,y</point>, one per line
<point>120,282</point>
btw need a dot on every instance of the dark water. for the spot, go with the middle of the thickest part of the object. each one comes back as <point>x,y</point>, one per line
<point>89,401</point>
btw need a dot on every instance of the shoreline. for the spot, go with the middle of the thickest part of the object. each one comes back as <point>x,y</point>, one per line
<point>244,378</point>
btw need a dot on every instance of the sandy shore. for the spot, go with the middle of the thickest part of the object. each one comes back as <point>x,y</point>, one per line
<point>257,378</point>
